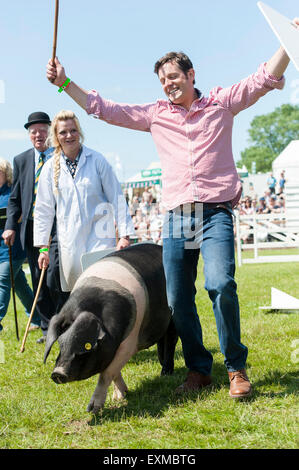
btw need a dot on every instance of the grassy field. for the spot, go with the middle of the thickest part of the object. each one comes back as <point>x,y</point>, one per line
<point>35,413</point>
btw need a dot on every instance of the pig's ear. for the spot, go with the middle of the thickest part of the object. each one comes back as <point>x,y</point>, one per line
<point>54,331</point>
<point>87,330</point>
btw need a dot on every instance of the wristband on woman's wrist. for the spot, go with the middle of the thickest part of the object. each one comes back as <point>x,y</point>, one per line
<point>64,85</point>
<point>42,250</point>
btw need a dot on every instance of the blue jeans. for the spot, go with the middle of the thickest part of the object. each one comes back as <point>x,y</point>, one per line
<point>22,289</point>
<point>215,241</point>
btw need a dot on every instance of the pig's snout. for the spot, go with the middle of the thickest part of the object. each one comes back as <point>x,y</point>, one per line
<point>59,376</point>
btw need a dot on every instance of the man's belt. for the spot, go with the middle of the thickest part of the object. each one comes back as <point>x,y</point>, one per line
<point>208,205</point>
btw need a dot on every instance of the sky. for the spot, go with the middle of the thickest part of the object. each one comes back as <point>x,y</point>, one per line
<point>112,46</point>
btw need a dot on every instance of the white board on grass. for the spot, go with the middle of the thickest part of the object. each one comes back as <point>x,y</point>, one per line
<point>286,31</point>
<point>282,301</point>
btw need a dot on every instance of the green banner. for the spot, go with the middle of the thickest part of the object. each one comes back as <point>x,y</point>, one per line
<point>150,173</point>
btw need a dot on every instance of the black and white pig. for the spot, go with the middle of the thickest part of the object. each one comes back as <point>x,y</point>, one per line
<point>118,306</point>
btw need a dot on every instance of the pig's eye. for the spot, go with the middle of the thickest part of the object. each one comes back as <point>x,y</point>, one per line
<point>84,349</point>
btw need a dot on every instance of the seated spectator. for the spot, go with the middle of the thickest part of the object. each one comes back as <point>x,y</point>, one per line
<point>139,225</point>
<point>273,206</point>
<point>146,201</point>
<point>251,192</point>
<point>134,205</point>
<point>143,229</point>
<point>267,195</point>
<point>246,208</point>
<point>281,202</point>
<point>254,204</point>
<point>262,207</point>
<point>156,223</point>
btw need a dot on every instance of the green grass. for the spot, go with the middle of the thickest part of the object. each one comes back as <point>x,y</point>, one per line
<point>37,413</point>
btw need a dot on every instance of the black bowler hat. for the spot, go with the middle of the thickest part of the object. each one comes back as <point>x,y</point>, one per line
<point>37,117</point>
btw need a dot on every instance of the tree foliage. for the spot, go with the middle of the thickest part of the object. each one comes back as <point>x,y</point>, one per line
<point>269,135</point>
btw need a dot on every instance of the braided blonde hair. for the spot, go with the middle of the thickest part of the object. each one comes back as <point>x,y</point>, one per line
<point>53,141</point>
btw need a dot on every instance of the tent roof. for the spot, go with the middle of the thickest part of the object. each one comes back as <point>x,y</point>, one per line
<point>289,157</point>
<point>145,177</point>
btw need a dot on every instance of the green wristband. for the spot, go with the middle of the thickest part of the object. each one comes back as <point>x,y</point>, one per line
<point>64,85</point>
<point>42,250</point>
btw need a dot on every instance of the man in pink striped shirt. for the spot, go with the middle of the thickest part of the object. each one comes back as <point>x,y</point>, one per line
<point>200,186</point>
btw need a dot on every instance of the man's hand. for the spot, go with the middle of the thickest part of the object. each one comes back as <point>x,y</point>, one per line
<point>278,63</point>
<point>123,243</point>
<point>9,237</point>
<point>43,260</point>
<point>55,72</point>
<point>57,76</point>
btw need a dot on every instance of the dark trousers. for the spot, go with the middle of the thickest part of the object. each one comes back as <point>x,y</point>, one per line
<point>51,298</point>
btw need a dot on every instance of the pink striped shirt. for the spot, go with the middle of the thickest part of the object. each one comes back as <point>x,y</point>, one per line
<point>195,146</point>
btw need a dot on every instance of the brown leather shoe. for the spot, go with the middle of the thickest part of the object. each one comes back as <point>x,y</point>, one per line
<point>194,382</point>
<point>239,384</point>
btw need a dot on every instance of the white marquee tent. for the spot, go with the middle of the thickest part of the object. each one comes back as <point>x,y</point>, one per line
<point>288,160</point>
<point>148,177</point>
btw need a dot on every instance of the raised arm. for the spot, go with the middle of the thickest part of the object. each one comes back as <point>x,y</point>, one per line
<point>278,63</point>
<point>56,75</point>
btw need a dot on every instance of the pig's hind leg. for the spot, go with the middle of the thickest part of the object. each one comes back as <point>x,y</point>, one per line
<point>166,349</point>
<point>120,388</point>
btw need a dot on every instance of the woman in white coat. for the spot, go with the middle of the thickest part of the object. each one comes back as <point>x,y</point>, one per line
<point>80,187</point>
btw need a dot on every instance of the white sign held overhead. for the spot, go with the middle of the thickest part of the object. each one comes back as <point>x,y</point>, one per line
<point>286,31</point>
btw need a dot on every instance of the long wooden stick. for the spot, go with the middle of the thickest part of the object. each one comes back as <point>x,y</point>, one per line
<point>12,281</point>
<point>33,308</point>
<point>55,30</point>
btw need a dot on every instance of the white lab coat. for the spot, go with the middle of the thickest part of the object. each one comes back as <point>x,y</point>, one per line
<point>86,207</point>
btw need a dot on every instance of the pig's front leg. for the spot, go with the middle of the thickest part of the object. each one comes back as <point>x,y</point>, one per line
<point>120,388</point>
<point>98,398</point>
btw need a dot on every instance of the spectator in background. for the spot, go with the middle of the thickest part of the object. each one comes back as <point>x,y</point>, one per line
<point>22,288</point>
<point>267,195</point>
<point>134,205</point>
<point>282,182</point>
<point>273,205</point>
<point>254,204</point>
<point>141,226</point>
<point>251,192</point>
<point>146,201</point>
<point>271,181</point>
<point>247,208</point>
<point>262,207</point>
<point>281,202</point>
<point>155,225</point>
